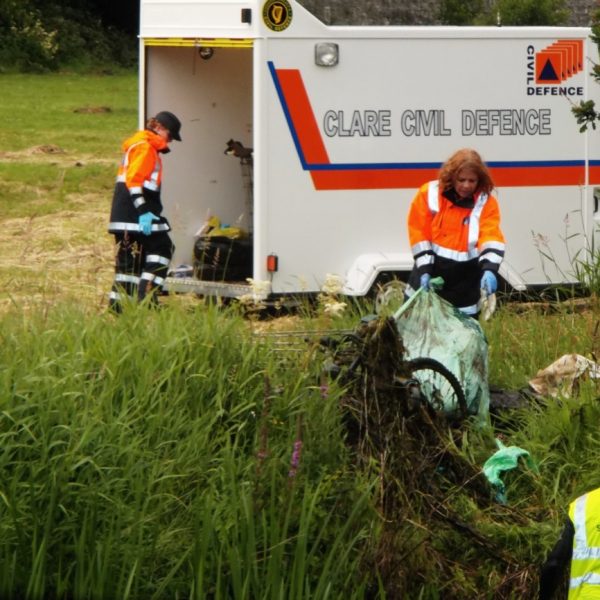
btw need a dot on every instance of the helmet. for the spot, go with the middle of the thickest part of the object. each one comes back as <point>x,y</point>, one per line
<point>170,122</point>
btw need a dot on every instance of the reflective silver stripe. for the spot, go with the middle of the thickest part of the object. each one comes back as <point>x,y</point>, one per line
<point>433,199</point>
<point>126,278</point>
<point>152,185</point>
<point>580,539</point>
<point>121,226</point>
<point>139,201</point>
<point>116,226</point>
<point>587,579</point>
<point>491,257</point>
<point>134,190</point>
<point>455,254</point>
<point>159,280</point>
<point>474,219</point>
<point>426,259</point>
<point>147,276</point>
<point>470,310</point>
<point>501,247</point>
<point>116,296</point>
<point>585,553</point>
<point>156,258</point>
<point>421,247</point>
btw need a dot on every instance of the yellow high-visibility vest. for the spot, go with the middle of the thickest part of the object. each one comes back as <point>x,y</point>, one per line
<point>584,512</point>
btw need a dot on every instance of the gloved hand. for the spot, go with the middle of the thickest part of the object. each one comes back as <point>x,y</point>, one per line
<point>425,279</point>
<point>489,283</point>
<point>145,222</point>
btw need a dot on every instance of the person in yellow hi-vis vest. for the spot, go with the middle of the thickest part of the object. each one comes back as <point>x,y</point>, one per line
<point>578,545</point>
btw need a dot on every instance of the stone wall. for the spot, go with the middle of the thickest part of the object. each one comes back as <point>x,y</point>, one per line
<point>410,12</point>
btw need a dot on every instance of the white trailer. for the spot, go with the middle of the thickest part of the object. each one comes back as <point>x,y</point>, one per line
<point>346,122</point>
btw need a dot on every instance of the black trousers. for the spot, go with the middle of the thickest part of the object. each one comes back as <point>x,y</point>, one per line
<point>141,265</point>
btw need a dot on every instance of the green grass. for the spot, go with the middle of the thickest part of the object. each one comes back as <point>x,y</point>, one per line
<point>28,189</point>
<point>39,110</point>
<point>132,469</point>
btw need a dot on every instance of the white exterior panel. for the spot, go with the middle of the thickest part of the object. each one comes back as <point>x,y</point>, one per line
<point>340,151</point>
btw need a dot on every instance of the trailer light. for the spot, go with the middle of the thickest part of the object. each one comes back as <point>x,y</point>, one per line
<point>247,15</point>
<point>326,54</point>
<point>272,263</point>
<point>206,52</point>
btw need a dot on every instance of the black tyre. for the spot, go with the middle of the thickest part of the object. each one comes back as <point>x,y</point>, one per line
<point>439,386</point>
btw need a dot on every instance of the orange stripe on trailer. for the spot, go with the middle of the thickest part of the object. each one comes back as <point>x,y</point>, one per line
<point>371,179</point>
<point>538,176</point>
<point>302,116</point>
<point>594,174</point>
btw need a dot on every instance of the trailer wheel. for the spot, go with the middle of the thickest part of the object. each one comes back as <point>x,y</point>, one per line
<point>389,296</point>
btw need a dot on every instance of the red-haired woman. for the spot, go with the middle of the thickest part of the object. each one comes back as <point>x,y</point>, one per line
<point>454,232</point>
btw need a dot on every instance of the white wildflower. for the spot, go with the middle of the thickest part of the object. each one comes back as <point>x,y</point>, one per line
<point>334,308</point>
<point>246,299</point>
<point>260,289</point>
<point>334,284</point>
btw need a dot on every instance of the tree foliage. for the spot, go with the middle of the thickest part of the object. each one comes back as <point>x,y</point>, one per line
<point>503,12</point>
<point>585,112</point>
<point>527,12</point>
<point>42,35</point>
<point>459,12</point>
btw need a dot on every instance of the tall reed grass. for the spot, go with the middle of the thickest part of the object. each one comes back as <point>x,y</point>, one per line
<point>149,457</point>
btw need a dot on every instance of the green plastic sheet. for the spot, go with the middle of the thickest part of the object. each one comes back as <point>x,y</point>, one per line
<point>504,459</point>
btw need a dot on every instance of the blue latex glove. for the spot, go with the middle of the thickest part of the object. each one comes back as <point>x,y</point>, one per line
<point>425,279</point>
<point>145,222</point>
<point>489,283</point>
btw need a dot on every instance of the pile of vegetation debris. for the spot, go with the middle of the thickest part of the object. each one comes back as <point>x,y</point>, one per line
<point>443,533</point>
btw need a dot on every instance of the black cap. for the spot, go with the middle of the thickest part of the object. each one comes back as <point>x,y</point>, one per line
<point>170,122</point>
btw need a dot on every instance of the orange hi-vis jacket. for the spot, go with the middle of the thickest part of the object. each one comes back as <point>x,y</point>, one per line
<point>442,230</point>
<point>139,179</point>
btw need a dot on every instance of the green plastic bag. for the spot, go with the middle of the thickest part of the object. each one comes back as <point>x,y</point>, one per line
<point>505,459</point>
<point>432,327</point>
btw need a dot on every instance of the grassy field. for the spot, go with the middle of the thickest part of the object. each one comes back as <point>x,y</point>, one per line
<point>195,453</point>
<point>58,154</point>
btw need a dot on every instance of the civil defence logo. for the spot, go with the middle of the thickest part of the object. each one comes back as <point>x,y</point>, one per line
<point>559,61</point>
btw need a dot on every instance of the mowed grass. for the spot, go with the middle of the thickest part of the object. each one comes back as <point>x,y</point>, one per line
<point>85,115</point>
<point>58,157</point>
<point>194,453</point>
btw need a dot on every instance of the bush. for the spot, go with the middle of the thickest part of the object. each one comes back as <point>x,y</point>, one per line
<point>50,37</point>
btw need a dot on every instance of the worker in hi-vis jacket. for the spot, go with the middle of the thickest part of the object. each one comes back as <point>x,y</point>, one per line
<point>454,232</point>
<point>578,549</point>
<point>144,247</point>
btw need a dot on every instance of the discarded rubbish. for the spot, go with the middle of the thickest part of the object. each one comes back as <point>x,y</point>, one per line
<point>488,305</point>
<point>430,326</point>
<point>504,459</point>
<point>563,375</point>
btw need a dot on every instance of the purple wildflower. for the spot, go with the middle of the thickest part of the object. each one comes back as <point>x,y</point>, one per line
<point>295,458</point>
